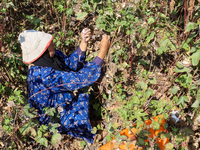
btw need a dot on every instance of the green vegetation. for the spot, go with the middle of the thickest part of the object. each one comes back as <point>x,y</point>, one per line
<point>152,67</point>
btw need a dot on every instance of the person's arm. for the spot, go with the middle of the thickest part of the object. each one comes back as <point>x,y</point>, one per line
<point>76,60</point>
<point>62,81</point>
<point>70,81</point>
<point>104,46</point>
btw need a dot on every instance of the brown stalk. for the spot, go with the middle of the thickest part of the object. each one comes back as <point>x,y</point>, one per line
<point>111,44</point>
<point>156,18</point>
<point>131,57</point>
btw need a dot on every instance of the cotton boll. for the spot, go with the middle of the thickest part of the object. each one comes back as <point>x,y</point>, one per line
<point>83,31</point>
<point>118,15</point>
<point>60,109</point>
<point>174,116</point>
<point>109,92</point>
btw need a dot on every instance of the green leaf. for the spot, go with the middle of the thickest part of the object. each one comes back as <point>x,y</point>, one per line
<point>169,146</point>
<point>141,140</point>
<point>165,125</point>
<point>144,32</point>
<point>49,111</point>
<point>148,93</point>
<point>186,46</point>
<point>135,100</point>
<point>110,128</point>
<point>162,15</point>
<point>29,111</point>
<point>151,20</point>
<point>69,11</point>
<point>56,139</point>
<point>39,134</point>
<point>161,50</point>
<point>81,15</point>
<point>195,58</point>
<point>99,127</point>
<point>143,85</point>
<point>165,135</point>
<point>144,134</point>
<point>94,6</point>
<point>104,96</point>
<point>10,4</point>
<point>193,49</point>
<point>43,128</point>
<point>33,132</point>
<point>196,103</point>
<point>36,21</point>
<point>42,141</point>
<point>3,10</point>
<point>155,125</point>
<point>82,144</point>
<point>27,127</point>
<point>100,23</point>
<point>179,65</point>
<point>109,137</point>
<point>117,136</point>
<point>184,80</point>
<point>120,137</point>
<point>182,100</point>
<point>150,37</point>
<point>190,26</point>
<point>52,127</point>
<point>191,37</point>
<point>174,90</point>
<point>138,45</point>
<point>94,130</point>
<point>123,23</point>
<point>185,69</point>
<point>139,113</point>
<point>153,81</point>
<point>171,45</point>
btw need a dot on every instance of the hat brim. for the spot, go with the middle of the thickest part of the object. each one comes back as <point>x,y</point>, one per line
<point>39,51</point>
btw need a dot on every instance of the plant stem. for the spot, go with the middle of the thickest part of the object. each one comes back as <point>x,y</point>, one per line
<point>131,57</point>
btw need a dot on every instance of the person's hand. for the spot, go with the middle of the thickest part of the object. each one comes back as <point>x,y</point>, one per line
<point>86,35</point>
<point>104,46</point>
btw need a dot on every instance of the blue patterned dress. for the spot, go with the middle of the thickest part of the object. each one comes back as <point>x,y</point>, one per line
<point>48,87</point>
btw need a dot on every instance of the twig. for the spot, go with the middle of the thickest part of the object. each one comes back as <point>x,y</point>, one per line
<point>185,17</point>
<point>140,12</point>
<point>68,3</point>
<point>111,44</point>
<point>131,57</point>
<point>157,18</point>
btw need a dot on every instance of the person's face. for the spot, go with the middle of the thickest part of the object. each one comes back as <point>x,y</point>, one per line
<point>51,49</point>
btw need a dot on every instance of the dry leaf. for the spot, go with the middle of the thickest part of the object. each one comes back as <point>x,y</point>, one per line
<point>112,69</point>
<point>6,108</point>
<point>104,134</point>
<point>191,5</point>
<point>11,104</point>
<point>116,144</point>
<point>172,3</point>
<point>126,74</point>
<point>152,4</point>
<point>114,106</point>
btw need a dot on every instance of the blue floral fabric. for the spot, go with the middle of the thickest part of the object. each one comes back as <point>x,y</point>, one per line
<point>48,87</point>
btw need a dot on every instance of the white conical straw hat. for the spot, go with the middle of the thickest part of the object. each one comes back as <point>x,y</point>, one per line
<point>33,44</point>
